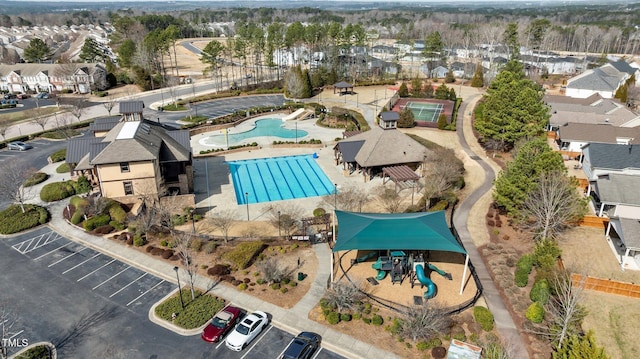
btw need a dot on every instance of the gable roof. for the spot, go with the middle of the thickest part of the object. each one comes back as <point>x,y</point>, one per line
<point>605,133</point>
<point>384,147</point>
<point>604,78</point>
<point>400,231</point>
<point>618,188</point>
<point>389,116</point>
<point>629,230</point>
<point>131,107</point>
<point>612,156</point>
<point>594,110</point>
<point>104,123</point>
<point>623,66</point>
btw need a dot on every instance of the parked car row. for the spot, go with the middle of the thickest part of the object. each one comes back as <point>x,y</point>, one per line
<point>242,332</point>
<point>22,96</point>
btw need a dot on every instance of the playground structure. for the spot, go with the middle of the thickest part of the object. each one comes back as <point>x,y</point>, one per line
<point>400,266</point>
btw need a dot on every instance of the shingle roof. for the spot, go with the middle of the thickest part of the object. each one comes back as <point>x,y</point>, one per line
<point>600,111</point>
<point>389,116</point>
<point>604,78</point>
<point>34,69</point>
<point>630,232</point>
<point>386,147</point>
<point>131,107</point>
<point>612,156</point>
<point>623,66</point>
<point>605,133</point>
<point>349,150</point>
<point>618,188</point>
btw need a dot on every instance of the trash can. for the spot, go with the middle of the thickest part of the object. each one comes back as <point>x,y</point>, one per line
<point>300,276</point>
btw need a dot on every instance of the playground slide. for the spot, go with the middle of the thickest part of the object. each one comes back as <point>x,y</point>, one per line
<point>424,280</point>
<point>377,265</point>
<point>440,271</point>
<point>366,257</point>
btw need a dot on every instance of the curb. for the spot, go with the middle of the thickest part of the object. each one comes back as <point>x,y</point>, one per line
<point>170,326</point>
<point>54,352</point>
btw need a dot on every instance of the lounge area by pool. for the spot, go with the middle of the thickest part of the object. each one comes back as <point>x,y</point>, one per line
<point>278,178</point>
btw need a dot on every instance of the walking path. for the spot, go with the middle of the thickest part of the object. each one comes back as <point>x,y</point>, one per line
<point>469,218</point>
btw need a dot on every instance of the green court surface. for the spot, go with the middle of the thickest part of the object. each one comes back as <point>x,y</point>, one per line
<point>425,112</point>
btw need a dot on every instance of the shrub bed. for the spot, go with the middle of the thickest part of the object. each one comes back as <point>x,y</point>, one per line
<point>36,178</point>
<point>63,168</point>
<point>521,277</point>
<point>95,222</point>
<point>59,155</point>
<point>196,312</point>
<point>56,191</point>
<point>37,352</point>
<point>483,317</point>
<point>12,220</point>
<point>535,312</point>
<point>244,253</point>
<point>540,291</point>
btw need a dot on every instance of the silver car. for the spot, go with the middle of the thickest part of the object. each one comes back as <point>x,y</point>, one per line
<point>19,146</point>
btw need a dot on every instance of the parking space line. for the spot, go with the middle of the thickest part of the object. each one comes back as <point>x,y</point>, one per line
<point>16,334</point>
<point>148,290</point>
<point>104,265</point>
<point>69,256</point>
<point>285,348</point>
<point>20,247</point>
<point>79,264</point>
<point>113,276</point>
<point>46,254</point>
<point>130,283</point>
<point>221,342</point>
<point>256,342</point>
<point>316,354</point>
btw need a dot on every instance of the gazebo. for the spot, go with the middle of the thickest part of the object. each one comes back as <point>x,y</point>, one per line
<point>344,88</point>
<point>397,231</point>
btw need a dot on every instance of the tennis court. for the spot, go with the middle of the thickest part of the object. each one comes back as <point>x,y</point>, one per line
<point>424,112</point>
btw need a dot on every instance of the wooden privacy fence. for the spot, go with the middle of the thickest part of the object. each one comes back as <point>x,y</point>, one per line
<point>607,285</point>
<point>594,221</point>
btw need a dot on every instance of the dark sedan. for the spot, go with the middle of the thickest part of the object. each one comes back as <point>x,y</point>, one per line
<point>302,347</point>
<point>221,323</point>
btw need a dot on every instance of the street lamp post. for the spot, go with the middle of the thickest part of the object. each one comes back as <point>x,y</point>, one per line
<point>179,287</point>
<point>279,232</point>
<point>296,132</point>
<point>193,221</point>
<point>246,200</point>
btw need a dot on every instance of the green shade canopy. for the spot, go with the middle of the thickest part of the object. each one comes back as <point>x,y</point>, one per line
<point>407,231</point>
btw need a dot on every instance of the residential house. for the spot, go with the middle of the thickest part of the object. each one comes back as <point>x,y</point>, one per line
<point>604,80</point>
<point>604,158</point>
<point>593,110</point>
<point>573,136</point>
<point>627,68</point>
<point>464,70</point>
<point>617,196</point>
<point>81,78</point>
<point>135,158</point>
<point>439,72</point>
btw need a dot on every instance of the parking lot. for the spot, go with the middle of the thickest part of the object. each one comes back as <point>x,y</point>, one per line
<point>86,303</point>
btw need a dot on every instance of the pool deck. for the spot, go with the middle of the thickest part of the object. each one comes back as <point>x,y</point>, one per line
<point>220,193</point>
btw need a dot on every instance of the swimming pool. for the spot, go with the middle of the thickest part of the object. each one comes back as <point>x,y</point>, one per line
<point>266,127</point>
<point>278,178</point>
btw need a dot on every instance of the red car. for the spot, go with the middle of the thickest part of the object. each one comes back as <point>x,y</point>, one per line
<point>221,323</point>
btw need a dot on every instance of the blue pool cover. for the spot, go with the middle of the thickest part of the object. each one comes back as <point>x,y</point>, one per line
<point>278,178</point>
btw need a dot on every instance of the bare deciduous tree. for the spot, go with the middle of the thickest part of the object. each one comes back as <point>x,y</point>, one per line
<point>565,309</point>
<point>39,118</point>
<point>344,295</point>
<point>184,248</point>
<point>348,198</point>
<point>286,217</point>
<point>13,174</point>
<point>272,270</point>
<point>4,126</point>
<point>224,220</point>
<point>389,199</point>
<point>441,170</point>
<point>425,321</point>
<point>553,205</point>
<point>109,104</point>
<point>77,109</point>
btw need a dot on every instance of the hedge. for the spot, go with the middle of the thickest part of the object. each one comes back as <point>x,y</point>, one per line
<point>36,178</point>
<point>483,317</point>
<point>535,312</point>
<point>196,312</point>
<point>333,318</point>
<point>244,253</point>
<point>59,155</point>
<point>540,291</point>
<point>56,191</point>
<point>95,222</point>
<point>77,217</point>
<point>12,220</point>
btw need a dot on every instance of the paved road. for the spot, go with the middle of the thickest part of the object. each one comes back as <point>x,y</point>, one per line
<point>86,303</point>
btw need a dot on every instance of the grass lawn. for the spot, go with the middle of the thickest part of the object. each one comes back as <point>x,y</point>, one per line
<point>196,312</point>
<point>26,115</point>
